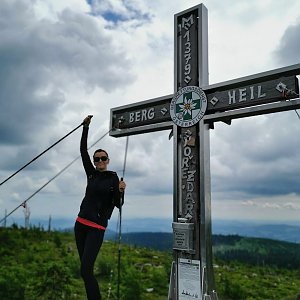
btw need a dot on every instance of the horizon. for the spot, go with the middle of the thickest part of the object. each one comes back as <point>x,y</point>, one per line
<point>62,223</point>
<point>276,230</point>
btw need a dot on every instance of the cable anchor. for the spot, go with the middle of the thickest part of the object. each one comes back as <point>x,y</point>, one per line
<point>285,92</point>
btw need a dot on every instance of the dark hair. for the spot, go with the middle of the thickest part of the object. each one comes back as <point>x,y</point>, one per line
<point>101,150</point>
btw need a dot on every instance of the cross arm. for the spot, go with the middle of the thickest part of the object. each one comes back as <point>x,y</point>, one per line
<point>255,90</point>
<point>145,116</point>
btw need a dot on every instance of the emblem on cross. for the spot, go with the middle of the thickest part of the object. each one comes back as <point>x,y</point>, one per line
<point>188,106</point>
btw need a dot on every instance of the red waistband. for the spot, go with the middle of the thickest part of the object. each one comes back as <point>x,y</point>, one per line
<point>89,223</point>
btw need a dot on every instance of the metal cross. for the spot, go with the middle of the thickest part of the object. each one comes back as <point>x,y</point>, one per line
<point>263,93</point>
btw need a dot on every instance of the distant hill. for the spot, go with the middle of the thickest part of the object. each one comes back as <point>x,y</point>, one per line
<point>257,251</point>
<point>155,240</point>
<point>254,251</point>
<point>289,232</point>
<point>281,232</point>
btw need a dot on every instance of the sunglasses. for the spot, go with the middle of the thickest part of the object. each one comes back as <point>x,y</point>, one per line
<point>102,158</point>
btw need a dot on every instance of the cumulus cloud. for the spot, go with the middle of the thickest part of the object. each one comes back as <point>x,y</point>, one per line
<point>291,206</point>
<point>53,58</point>
<point>288,51</point>
<point>117,11</point>
<point>289,202</point>
<point>249,203</point>
<point>41,58</point>
<point>62,59</point>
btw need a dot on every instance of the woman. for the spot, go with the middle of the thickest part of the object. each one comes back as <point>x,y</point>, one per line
<point>103,193</point>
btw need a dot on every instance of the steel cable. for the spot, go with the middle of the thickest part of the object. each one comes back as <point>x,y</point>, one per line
<point>23,204</point>
<point>35,158</point>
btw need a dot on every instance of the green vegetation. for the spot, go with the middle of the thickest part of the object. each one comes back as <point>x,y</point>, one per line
<point>36,264</point>
<point>257,251</point>
<point>255,268</point>
<point>238,281</point>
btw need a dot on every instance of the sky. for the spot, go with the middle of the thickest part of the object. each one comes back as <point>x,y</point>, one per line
<point>61,60</point>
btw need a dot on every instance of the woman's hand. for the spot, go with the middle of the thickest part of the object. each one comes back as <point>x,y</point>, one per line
<point>122,186</point>
<point>86,122</point>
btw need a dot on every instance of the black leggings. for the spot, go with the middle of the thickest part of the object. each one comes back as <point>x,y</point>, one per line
<point>89,241</point>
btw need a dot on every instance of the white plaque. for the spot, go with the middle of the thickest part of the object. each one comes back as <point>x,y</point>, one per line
<point>189,279</point>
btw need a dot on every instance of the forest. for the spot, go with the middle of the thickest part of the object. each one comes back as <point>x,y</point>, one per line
<point>39,264</point>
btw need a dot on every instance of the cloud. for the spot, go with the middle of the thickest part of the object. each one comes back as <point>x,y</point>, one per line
<point>40,60</point>
<point>259,155</point>
<point>288,202</point>
<point>63,59</point>
<point>117,11</point>
<point>249,203</point>
<point>291,206</point>
<point>271,205</point>
<point>288,51</point>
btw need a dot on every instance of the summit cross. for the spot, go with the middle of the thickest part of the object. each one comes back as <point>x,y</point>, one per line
<point>191,113</point>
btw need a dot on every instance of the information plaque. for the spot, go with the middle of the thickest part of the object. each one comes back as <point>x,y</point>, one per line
<point>183,236</point>
<point>189,280</point>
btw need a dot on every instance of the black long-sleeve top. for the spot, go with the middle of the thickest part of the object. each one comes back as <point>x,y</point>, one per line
<point>102,191</point>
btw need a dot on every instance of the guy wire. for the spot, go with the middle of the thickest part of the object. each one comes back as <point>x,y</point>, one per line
<point>43,186</point>
<point>35,158</point>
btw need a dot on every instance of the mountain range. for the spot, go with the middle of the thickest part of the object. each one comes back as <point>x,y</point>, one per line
<point>285,231</point>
